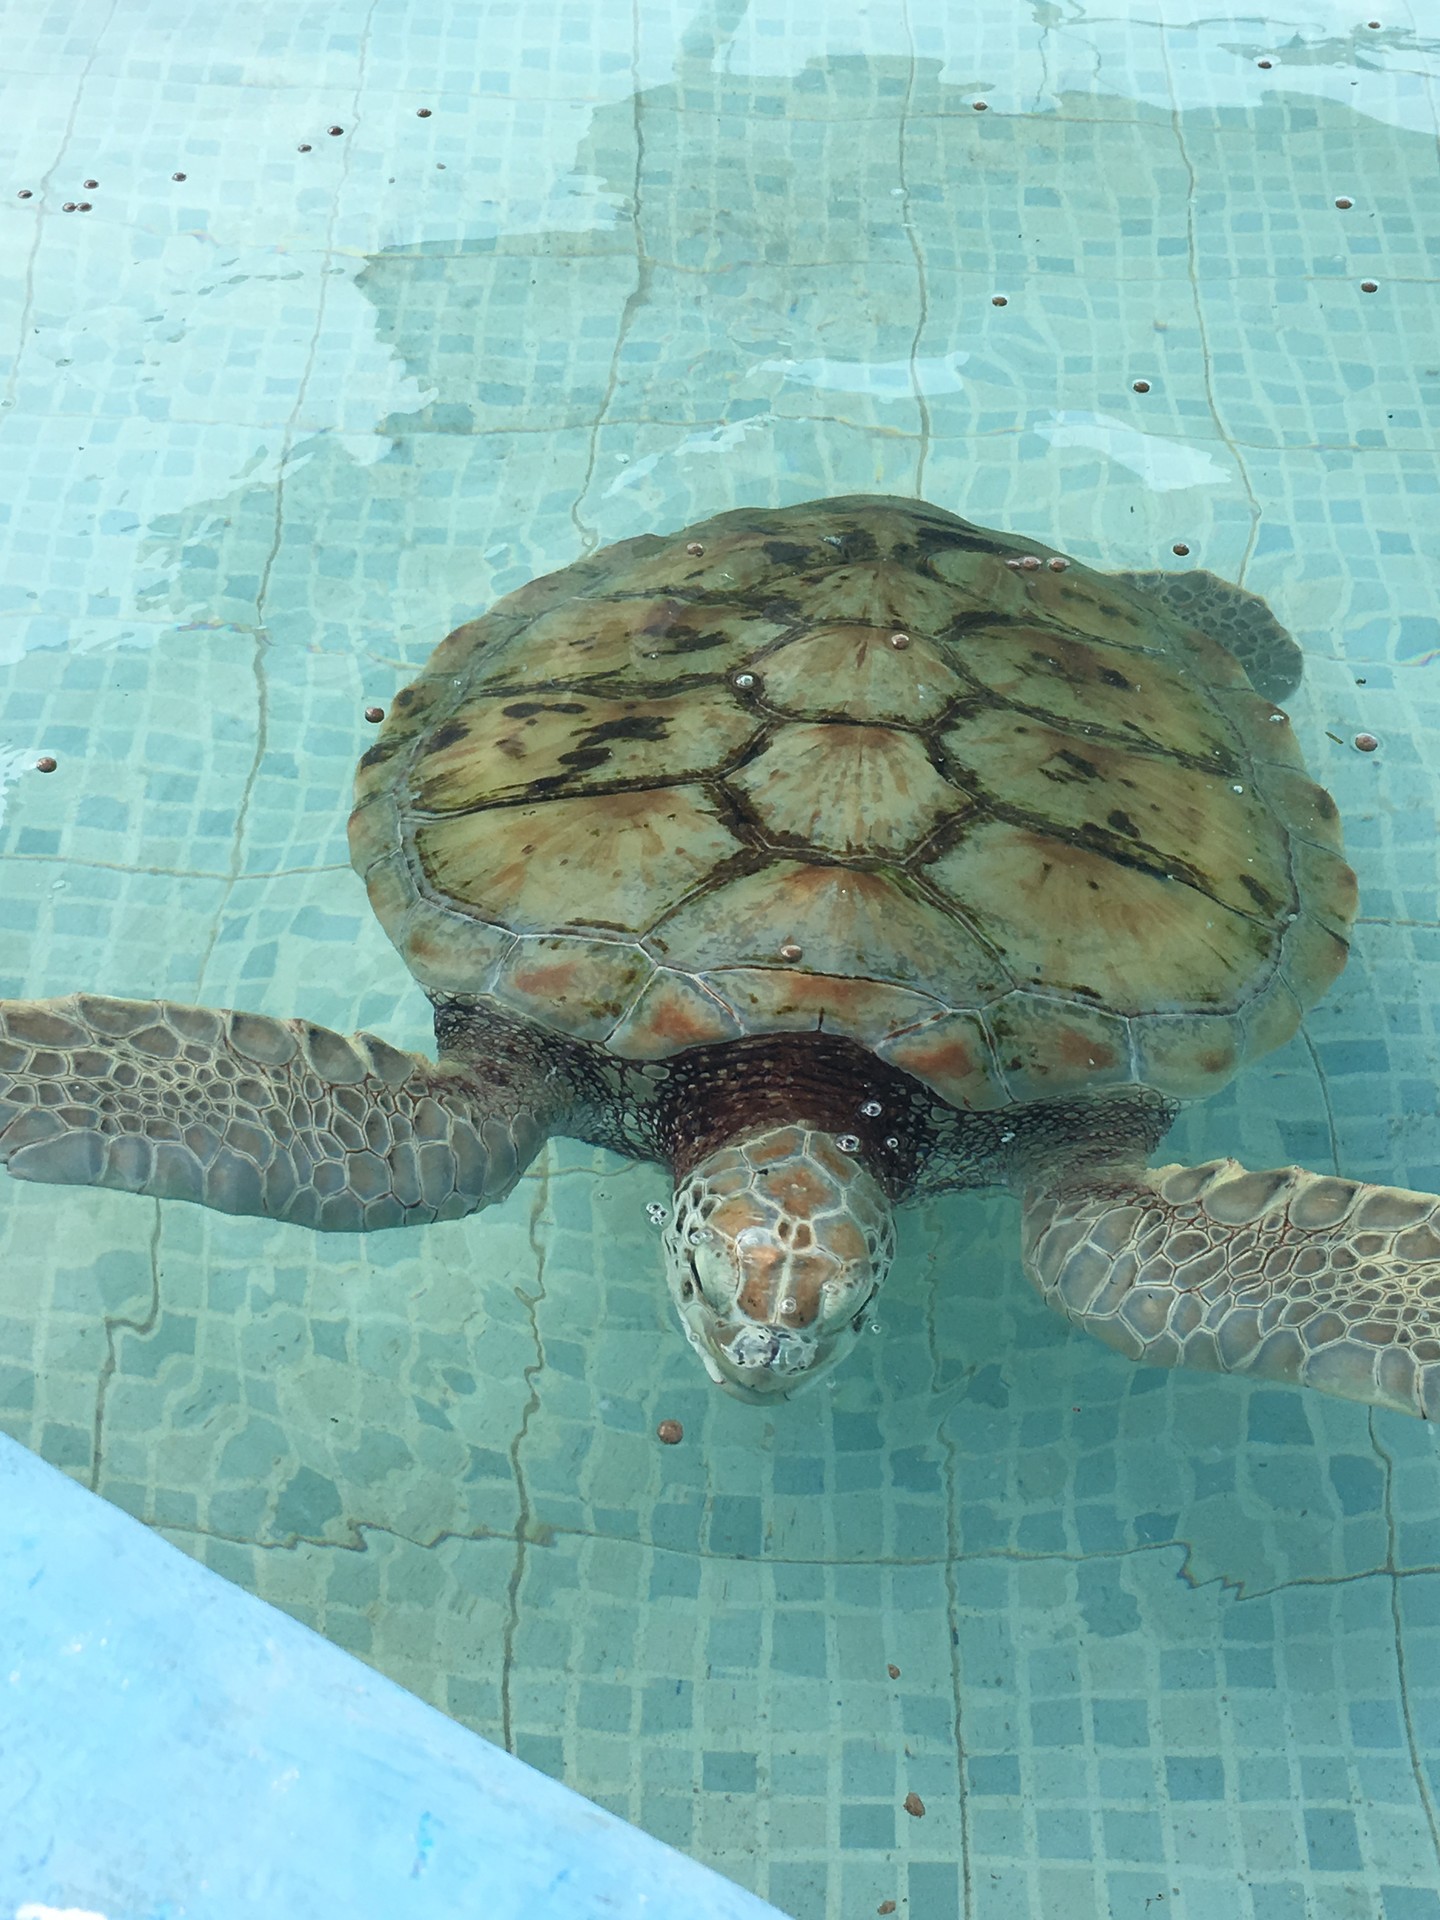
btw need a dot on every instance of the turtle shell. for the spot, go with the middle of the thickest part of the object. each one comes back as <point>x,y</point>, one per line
<point>858,764</point>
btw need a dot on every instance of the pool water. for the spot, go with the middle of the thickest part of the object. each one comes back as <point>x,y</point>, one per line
<point>374,312</point>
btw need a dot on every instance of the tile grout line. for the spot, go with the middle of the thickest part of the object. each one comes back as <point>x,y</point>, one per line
<point>287,448</point>
<point>637,297</point>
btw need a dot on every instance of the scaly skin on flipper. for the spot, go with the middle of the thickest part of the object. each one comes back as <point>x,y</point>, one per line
<point>1237,618</point>
<point>1288,1275</point>
<point>248,1114</point>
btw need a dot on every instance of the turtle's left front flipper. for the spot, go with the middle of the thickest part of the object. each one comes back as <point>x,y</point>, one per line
<point>247,1114</point>
<point>1288,1275</point>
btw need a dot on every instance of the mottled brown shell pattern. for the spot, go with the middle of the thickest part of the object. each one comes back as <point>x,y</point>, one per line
<point>1016,829</point>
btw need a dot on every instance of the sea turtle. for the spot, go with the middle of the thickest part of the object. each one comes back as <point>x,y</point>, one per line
<point>829,856</point>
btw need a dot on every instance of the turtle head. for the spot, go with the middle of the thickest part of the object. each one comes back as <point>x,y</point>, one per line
<point>774,1249</point>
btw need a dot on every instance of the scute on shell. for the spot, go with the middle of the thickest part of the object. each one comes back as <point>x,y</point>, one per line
<point>1051,841</point>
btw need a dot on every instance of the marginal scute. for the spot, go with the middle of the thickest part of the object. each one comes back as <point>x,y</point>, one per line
<point>672,1012</point>
<point>449,951</point>
<point>1313,958</point>
<point>782,1000</point>
<point>1048,1049</point>
<point>954,1054</point>
<point>1271,1018</point>
<point>544,970</point>
<point>1264,725</point>
<point>1304,810</point>
<point>844,765</point>
<point>1327,886</point>
<point>1186,1055</point>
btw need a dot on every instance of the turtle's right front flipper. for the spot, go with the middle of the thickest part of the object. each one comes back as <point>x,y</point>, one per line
<point>248,1114</point>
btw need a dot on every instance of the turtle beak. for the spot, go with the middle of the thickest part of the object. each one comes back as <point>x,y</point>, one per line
<point>754,1361</point>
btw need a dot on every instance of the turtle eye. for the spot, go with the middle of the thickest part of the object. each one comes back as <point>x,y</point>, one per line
<point>857,1325</point>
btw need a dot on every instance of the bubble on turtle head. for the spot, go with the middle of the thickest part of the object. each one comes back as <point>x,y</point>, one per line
<point>700,1237</point>
<point>892,1140</point>
<point>745,681</point>
<point>848,1142</point>
<point>871,1109</point>
<point>655,1213</point>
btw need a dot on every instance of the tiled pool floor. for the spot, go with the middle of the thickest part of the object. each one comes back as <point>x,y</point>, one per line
<point>283,406</point>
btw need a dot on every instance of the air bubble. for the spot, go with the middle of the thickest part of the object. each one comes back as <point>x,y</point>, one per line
<point>743,680</point>
<point>848,1142</point>
<point>871,1109</point>
<point>892,1140</point>
<point>1006,1138</point>
<point>1235,787</point>
<point>655,1213</point>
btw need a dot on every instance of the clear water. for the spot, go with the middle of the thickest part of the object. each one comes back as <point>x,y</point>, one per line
<point>1165,1644</point>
